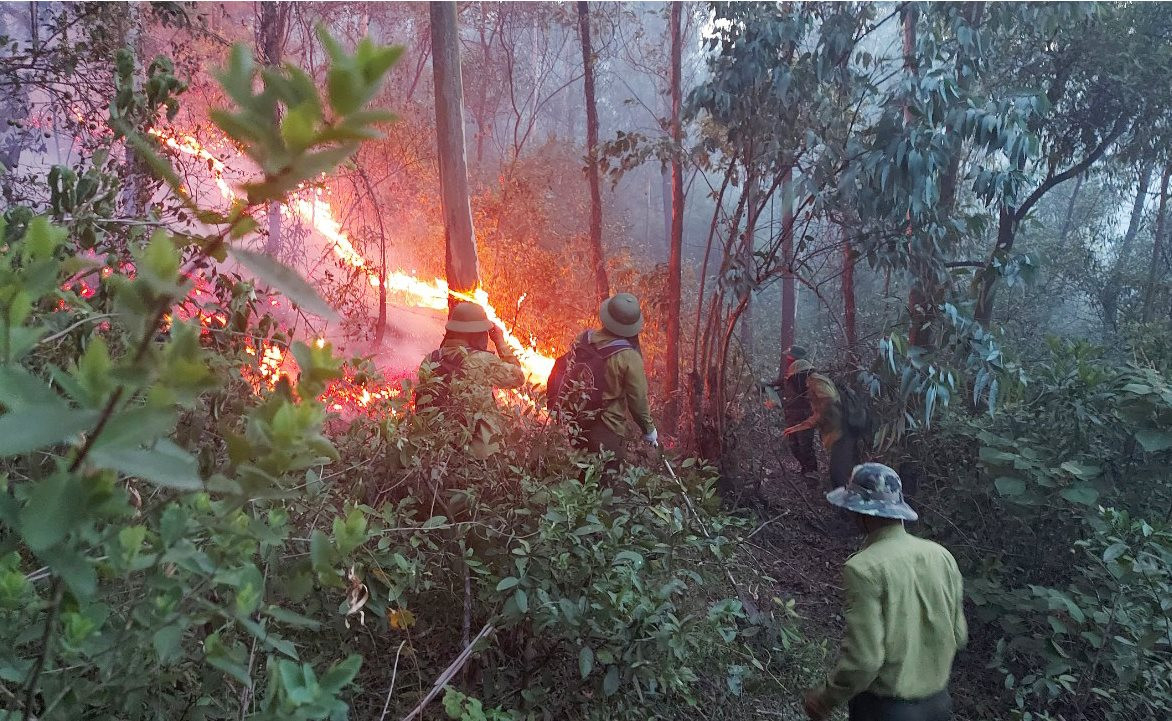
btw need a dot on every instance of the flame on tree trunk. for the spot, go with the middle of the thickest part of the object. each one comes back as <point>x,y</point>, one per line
<point>460,248</point>
<point>601,283</point>
<point>676,244</point>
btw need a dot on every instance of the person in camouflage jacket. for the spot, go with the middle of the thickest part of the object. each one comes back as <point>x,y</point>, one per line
<point>462,373</point>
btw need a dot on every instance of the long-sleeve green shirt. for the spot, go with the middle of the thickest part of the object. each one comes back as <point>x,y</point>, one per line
<point>904,619</point>
<point>625,388</point>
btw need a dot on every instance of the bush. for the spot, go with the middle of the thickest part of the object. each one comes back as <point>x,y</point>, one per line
<point>1076,587</point>
<point>176,545</point>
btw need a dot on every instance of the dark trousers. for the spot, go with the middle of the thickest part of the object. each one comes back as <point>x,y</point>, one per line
<point>801,445</point>
<point>844,456</point>
<point>869,707</point>
<point>598,437</point>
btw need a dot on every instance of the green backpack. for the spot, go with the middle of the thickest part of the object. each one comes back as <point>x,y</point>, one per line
<point>856,409</point>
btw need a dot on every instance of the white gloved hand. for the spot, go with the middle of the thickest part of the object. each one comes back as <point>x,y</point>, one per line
<point>652,438</point>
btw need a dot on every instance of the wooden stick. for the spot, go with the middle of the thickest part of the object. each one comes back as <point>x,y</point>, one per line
<point>448,673</point>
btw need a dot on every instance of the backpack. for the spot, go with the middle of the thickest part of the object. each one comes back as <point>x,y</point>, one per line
<point>448,366</point>
<point>856,409</point>
<point>577,379</point>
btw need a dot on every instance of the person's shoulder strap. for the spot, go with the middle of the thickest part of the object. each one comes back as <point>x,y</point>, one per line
<point>611,347</point>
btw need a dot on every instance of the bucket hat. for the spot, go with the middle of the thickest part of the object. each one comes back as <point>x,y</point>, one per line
<point>620,315</point>
<point>873,490</point>
<point>468,318</point>
<point>801,365</point>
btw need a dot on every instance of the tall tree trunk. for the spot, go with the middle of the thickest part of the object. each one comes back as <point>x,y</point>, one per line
<point>460,248</point>
<point>848,295</point>
<point>788,288</point>
<point>921,301</point>
<point>601,284</point>
<point>676,245</point>
<point>1066,220</point>
<point>135,191</point>
<point>272,25</point>
<point>665,185</point>
<point>986,279</point>
<point>1159,241</point>
<point>1115,282</point>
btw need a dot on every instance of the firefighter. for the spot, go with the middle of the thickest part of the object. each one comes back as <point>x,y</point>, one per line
<point>904,614</point>
<point>463,366</point>
<point>795,404</point>
<point>826,416</point>
<point>609,360</point>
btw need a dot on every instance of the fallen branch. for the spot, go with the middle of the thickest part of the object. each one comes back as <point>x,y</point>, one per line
<point>448,673</point>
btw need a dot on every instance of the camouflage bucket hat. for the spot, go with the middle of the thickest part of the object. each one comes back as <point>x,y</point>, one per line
<point>873,490</point>
<point>801,365</point>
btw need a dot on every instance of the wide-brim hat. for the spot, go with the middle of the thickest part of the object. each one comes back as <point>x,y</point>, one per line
<point>800,365</point>
<point>873,490</point>
<point>468,318</point>
<point>620,314</point>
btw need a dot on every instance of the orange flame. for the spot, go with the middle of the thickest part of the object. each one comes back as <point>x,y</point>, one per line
<point>434,295</point>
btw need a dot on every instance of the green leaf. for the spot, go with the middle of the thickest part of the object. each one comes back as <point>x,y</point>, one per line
<point>585,661</point>
<point>1083,495</point>
<point>507,583</point>
<point>166,464</point>
<point>1008,486</point>
<point>610,684</point>
<point>1114,551</point>
<point>634,558</point>
<point>168,641</point>
<point>521,600</point>
<point>39,426</point>
<point>321,552</point>
<point>285,280</point>
<point>1154,441</point>
<point>341,674</point>
<point>54,506</point>
<point>290,618</point>
<point>1082,471</point>
<point>75,569</point>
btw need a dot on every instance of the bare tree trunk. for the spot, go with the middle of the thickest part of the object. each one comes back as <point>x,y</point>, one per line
<point>134,195</point>
<point>848,295</point>
<point>665,174</point>
<point>1069,213</point>
<point>272,25</point>
<point>461,265</point>
<point>788,289</point>
<point>1110,297</point>
<point>1158,250</point>
<point>921,295</point>
<point>601,284</point>
<point>676,245</point>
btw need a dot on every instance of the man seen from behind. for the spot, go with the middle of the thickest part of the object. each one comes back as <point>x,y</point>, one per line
<point>904,614</point>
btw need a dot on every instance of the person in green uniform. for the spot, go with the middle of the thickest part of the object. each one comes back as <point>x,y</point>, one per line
<point>461,374</point>
<point>623,389</point>
<point>826,416</point>
<point>904,613</point>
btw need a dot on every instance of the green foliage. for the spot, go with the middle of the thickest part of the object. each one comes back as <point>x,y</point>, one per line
<point>1076,588</point>
<point>141,559</point>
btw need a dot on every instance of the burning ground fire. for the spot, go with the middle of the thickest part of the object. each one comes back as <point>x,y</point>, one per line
<point>309,206</point>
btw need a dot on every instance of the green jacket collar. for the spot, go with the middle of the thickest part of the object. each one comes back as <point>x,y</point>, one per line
<point>896,530</point>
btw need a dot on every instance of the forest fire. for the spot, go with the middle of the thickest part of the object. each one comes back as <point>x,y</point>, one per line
<point>310,206</point>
